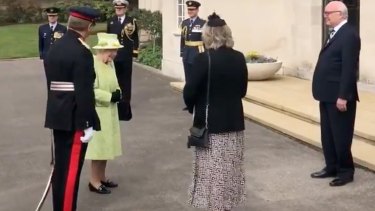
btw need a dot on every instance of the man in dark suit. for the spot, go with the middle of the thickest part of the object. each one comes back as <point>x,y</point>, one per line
<point>335,87</point>
<point>191,37</point>
<point>127,32</point>
<point>71,114</point>
<point>50,32</point>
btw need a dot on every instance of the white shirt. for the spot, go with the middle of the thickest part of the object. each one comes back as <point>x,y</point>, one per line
<point>53,25</point>
<point>122,18</point>
<point>337,28</point>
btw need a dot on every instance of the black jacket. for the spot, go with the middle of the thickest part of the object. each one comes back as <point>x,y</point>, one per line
<point>47,37</point>
<point>228,87</point>
<point>69,60</point>
<point>336,71</point>
<point>128,38</point>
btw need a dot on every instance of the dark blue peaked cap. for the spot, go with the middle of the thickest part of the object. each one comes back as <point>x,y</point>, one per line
<point>85,13</point>
<point>193,4</point>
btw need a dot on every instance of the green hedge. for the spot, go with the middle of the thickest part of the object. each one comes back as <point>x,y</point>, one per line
<point>151,56</point>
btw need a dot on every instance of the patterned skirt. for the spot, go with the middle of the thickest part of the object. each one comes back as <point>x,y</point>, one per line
<point>219,178</point>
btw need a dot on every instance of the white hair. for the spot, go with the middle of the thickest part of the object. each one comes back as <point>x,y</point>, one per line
<point>216,37</point>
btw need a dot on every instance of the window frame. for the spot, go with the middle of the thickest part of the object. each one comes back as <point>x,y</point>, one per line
<point>180,17</point>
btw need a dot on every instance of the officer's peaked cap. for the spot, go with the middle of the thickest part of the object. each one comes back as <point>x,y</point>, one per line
<point>52,10</point>
<point>193,4</point>
<point>120,3</point>
<point>85,13</point>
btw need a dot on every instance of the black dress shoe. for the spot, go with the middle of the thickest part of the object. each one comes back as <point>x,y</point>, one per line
<point>109,184</point>
<point>322,174</point>
<point>101,189</point>
<point>340,182</point>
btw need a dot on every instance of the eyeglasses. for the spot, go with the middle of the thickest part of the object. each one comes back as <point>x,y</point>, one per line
<point>330,12</point>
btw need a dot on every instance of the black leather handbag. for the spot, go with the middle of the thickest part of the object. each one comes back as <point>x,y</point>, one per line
<point>199,136</point>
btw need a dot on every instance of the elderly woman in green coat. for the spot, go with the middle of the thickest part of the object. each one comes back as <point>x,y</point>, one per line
<point>106,144</point>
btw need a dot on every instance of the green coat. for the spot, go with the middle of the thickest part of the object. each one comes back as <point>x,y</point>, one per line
<point>106,144</point>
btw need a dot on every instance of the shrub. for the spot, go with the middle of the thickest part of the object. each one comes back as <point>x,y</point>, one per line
<point>151,56</point>
<point>17,11</point>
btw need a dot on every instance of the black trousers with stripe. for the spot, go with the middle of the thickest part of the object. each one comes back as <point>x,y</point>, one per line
<point>337,130</point>
<point>69,158</point>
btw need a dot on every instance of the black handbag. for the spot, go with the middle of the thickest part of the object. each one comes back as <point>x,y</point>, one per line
<point>199,136</point>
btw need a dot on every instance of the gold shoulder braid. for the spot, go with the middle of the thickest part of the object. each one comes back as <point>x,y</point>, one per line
<point>184,32</point>
<point>128,30</point>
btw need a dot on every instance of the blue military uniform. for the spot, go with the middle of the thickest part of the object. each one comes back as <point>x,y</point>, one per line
<point>127,32</point>
<point>49,33</point>
<point>191,40</point>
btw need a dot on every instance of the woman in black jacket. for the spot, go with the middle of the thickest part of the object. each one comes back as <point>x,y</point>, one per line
<point>219,178</point>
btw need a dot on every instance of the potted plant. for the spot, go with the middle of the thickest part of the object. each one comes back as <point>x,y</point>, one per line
<point>261,67</point>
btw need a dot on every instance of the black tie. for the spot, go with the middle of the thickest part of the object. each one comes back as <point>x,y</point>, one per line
<point>191,22</point>
<point>119,20</point>
<point>51,28</point>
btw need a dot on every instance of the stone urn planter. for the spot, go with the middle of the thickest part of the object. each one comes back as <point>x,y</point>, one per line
<point>260,67</point>
<point>262,71</point>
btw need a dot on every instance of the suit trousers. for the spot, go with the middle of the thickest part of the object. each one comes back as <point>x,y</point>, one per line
<point>124,70</point>
<point>69,158</point>
<point>337,129</point>
<point>188,68</point>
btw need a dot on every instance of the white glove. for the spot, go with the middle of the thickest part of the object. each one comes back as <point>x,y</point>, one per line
<point>88,133</point>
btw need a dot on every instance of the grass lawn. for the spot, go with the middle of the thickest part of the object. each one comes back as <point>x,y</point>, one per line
<point>21,40</point>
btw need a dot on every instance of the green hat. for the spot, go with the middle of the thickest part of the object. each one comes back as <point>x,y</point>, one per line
<point>107,41</point>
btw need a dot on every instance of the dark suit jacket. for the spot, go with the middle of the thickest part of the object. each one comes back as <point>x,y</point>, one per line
<point>336,71</point>
<point>228,87</point>
<point>48,37</point>
<point>69,60</point>
<point>129,41</point>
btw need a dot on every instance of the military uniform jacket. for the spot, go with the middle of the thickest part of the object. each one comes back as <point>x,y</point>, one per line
<point>127,33</point>
<point>191,34</point>
<point>70,61</point>
<point>47,37</point>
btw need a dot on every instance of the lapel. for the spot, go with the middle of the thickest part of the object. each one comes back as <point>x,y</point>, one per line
<point>126,21</point>
<point>335,37</point>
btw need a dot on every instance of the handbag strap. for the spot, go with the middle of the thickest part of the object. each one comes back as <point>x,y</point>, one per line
<point>208,87</point>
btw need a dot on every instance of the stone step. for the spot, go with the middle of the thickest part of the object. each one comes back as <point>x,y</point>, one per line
<point>301,129</point>
<point>293,96</point>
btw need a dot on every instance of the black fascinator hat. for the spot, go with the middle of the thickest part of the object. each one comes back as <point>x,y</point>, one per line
<point>215,21</point>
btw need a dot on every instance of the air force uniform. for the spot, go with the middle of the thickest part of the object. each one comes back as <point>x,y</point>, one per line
<point>191,39</point>
<point>49,33</point>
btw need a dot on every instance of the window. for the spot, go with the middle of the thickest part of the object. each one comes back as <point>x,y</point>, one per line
<point>180,11</point>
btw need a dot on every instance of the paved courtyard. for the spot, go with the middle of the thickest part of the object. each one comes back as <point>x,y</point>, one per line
<point>154,172</point>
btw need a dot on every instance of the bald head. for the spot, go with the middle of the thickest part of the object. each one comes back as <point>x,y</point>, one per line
<point>335,12</point>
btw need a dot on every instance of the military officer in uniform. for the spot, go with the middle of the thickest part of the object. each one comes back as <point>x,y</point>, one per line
<point>127,32</point>
<point>191,37</point>
<point>50,32</point>
<point>69,69</point>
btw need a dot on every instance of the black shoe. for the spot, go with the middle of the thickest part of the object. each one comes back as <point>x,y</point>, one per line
<point>340,182</point>
<point>101,190</point>
<point>109,184</point>
<point>322,174</point>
